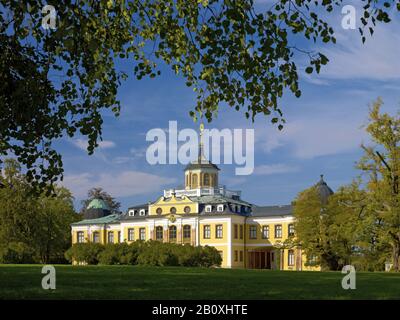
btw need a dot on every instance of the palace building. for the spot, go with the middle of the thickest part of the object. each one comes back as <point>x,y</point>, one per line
<point>203,213</point>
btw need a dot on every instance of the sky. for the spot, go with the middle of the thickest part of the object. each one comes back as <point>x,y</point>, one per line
<point>322,135</point>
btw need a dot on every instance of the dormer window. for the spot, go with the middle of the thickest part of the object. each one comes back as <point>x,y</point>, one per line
<point>208,208</point>
<point>220,208</point>
<point>131,213</point>
<point>142,212</point>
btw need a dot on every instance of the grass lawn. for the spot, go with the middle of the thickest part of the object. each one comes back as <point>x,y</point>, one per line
<point>133,282</point>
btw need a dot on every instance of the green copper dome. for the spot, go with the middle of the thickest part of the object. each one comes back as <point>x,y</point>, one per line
<point>98,204</point>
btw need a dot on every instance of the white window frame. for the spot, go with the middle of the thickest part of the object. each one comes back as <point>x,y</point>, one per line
<point>291,258</point>
<point>96,239</point>
<point>208,208</point>
<point>110,233</point>
<point>131,234</point>
<point>220,208</point>
<point>142,212</point>
<point>80,239</point>
<point>207,231</point>
<point>219,231</point>
<point>142,234</point>
<point>131,213</point>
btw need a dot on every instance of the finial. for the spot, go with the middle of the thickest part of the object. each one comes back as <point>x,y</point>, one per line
<point>322,177</point>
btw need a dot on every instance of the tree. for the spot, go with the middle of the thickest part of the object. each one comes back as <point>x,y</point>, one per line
<point>53,233</point>
<point>382,163</point>
<point>99,193</point>
<point>58,82</point>
<point>33,228</point>
<point>329,232</point>
<point>17,216</point>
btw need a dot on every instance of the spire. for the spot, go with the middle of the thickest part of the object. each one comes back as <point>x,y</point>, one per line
<point>200,155</point>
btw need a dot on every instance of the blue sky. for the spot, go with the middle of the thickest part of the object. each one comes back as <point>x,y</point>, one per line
<point>323,133</point>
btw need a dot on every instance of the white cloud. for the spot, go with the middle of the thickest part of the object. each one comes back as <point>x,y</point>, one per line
<point>376,59</point>
<point>83,144</point>
<point>311,137</point>
<point>123,184</point>
<point>269,169</point>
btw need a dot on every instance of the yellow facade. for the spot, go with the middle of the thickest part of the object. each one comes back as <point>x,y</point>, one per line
<point>204,214</point>
<point>173,205</point>
<point>239,243</point>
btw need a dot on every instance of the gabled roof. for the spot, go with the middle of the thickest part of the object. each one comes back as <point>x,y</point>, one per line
<point>112,218</point>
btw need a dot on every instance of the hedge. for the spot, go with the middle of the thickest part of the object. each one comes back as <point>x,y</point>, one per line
<point>153,253</point>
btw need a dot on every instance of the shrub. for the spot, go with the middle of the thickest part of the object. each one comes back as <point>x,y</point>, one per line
<point>87,253</point>
<point>110,255</point>
<point>130,252</point>
<point>153,253</point>
<point>210,257</point>
<point>16,252</point>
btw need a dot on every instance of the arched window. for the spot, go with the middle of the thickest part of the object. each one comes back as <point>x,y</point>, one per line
<point>194,181</point>
<point>206,179</point>
<point>172,233</point>
<point>159,211</point>
<point>159,233</point>
<point>186,231</point>
<point>187,209</point>
<point>173,210</point>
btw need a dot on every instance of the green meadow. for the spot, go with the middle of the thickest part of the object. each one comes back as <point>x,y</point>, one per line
<point>139,282</point>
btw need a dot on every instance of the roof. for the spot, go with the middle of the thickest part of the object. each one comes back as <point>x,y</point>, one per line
<point>112,218</point>
<point>126,216</point>
<point>216,198</point>
<point>98,203</point>
<point>324,190</point>
<point>271,211</point>
<point>139,206</point>
<point>201,165</point>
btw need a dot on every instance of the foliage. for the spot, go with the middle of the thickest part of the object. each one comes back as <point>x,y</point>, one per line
<point>32,228</point>
<point>329,232</point>
<point>96,193</point>
<point>382,163</point>
<point>119,253</point>
<point>359,225</point>
<point>58,82</point>
<point>149,253</point>
<point>87,253</point>
<point>16,252</point>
